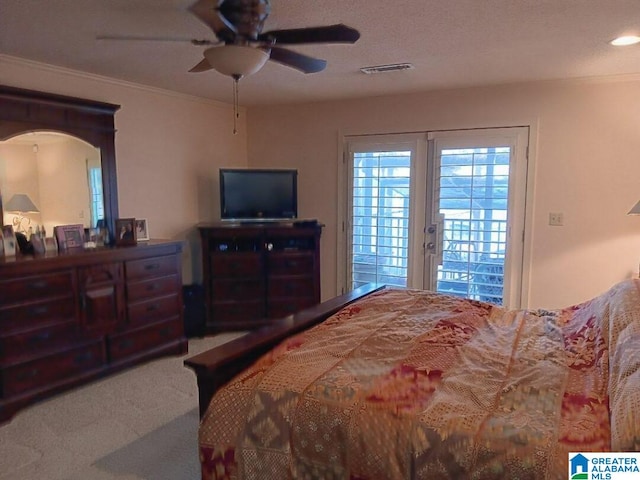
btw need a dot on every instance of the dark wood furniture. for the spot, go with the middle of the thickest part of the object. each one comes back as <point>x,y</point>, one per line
<point>256,273</point>
<point>72,317</point>
<point>27,111</point>
<point>215,367</point>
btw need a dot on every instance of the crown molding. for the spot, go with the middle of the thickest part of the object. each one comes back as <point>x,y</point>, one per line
<point>48,68</point>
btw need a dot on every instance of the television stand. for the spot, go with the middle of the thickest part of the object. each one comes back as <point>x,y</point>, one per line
<point>254,273</point>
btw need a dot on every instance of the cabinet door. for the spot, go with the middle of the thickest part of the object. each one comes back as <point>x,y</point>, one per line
<point>101,298</point>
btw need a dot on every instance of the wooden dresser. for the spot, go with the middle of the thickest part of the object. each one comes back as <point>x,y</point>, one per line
<point>72,317</point>
<point>256,273</point>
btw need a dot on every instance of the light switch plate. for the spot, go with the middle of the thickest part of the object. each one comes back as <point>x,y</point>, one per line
<point>556,219</point>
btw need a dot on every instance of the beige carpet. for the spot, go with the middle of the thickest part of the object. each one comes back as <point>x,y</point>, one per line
<point>138,424</point>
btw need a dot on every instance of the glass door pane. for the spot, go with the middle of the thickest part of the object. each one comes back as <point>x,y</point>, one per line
<point>476,214</point>
<point>380,189</point>
<point>473,198</point>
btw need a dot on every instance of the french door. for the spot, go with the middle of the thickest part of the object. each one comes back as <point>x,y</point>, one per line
<point>442,211</point>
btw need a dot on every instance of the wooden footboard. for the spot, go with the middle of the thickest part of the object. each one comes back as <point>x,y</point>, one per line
<point>215,367</point>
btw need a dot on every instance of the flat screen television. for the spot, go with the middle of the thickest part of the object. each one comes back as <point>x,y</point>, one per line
<point>258,195</point>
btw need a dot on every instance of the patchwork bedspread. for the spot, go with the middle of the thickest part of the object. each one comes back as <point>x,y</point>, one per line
<point>411,384</point>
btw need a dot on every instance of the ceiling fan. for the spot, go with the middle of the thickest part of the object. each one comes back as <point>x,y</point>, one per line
<point>243,48</point>
<point>238,25</point>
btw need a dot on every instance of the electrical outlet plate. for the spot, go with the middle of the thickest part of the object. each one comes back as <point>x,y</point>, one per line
<point>556,219</point>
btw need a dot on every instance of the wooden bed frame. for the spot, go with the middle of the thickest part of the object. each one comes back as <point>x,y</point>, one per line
<point>215,367</point>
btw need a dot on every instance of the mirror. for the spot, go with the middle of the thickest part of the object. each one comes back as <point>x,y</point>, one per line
<point>60,176</point>
<point>42,136</point>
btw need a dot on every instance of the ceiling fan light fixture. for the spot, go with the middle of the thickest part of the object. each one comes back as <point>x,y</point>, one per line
<point>625,40</point>
<point>236,60</point>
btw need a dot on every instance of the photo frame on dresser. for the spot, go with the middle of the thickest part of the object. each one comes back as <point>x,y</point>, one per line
<point>44,245</point>
<point>142,230</point>
<point>50,245</point>
<point>38,244</point>
<point>8,241</point>
<point>126,231</point>
<point>69,236</point>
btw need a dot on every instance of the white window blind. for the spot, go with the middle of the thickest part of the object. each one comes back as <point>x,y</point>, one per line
<point>97,197</point>
<point>473,197</point>
<point>380,217</point>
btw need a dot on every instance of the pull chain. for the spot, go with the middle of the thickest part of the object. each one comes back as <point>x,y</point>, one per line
<point>236,107</point>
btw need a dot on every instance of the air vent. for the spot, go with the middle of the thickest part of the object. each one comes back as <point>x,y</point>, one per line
<point>394,67</point>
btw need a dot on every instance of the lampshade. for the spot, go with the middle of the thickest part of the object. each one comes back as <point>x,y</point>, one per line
<point>236,60</point>
<point>635,210</point>
<point>21,203</point>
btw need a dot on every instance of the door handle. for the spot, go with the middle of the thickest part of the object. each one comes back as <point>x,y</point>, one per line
<point>437,237</point>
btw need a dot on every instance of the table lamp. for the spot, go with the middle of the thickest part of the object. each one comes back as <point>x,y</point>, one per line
<point>21,204</point>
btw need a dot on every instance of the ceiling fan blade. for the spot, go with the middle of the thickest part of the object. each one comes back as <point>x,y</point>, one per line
<point>296,60</point>
<point>203,66</point>
<point>209,16</point>
<point>137,38</point>
<point>338,33</point>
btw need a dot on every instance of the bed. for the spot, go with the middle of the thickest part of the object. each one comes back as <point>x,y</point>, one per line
<point>409,384</point>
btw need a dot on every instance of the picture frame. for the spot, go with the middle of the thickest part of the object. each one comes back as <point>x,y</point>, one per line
<point>125,231</point>
<point>8,241</point>
<point>50,245</point>
<point>38,244</point>
<point>142,230</point>
<point>69,236</point>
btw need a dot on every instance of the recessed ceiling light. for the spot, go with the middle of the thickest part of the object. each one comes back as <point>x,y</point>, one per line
<point>626,40</point>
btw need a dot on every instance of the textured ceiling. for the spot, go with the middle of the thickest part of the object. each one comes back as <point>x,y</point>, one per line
<point>452,43</point>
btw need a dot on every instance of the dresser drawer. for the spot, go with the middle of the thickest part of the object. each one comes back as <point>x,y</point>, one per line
<point>141,339</point>
<point>246,311</point>
<point>41,373</point>
<point>32,342</point>
<point>151,267</point>
<point>290,263</point>
<point>236,265</point>
<point>153,287</point>
<point>286,306</point>
<point>27,289</point>
<point>26,317</point>
<point>100,274</point>
<point>291,286</point>
<point>154,309</point>
<point>237,289</point>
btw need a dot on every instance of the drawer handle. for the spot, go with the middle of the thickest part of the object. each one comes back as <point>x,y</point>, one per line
<point>39,284</point>
<point>27,375</point>
<point>292,263</point>
<point>152,266</point>
<point>153,307</point>
<point>39,310</point>
<point>82,357</point>
<point>125,344</point>
<point>151,287</point>
<point>40,337</point>
<point>164,332</point>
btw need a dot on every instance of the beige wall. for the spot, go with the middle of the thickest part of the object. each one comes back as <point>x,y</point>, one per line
<point>587,135</point>
<point>54,176</point>
<point>584,153</point>
<point>168,149</point>
<point>18,174</point>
